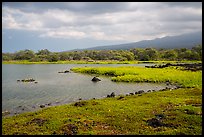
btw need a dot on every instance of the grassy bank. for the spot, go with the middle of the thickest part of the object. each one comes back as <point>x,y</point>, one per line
<point>181,109</point>
<point>91,62</point>
<point>139,74</point>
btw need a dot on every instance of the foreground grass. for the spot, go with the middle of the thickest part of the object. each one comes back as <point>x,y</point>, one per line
<point>129,115</point>
<point>92,62</point>
<point>140,74</point>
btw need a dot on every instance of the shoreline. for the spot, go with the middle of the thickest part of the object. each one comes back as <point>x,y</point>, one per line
<point>95,62</point>
<point>34,108</point>
<point>121,114</point>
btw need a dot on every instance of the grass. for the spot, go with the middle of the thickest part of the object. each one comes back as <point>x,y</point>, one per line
<point>181,108</point>
<point>139,74</point>
<point>89,62</point>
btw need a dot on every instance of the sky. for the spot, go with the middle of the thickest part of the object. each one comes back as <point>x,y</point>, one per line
<point>63,26</point>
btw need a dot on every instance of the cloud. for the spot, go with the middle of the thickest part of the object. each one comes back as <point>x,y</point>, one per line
<point>125,21</point>
<point>63,34</point>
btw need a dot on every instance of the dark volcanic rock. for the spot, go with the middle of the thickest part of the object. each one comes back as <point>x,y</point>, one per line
<point>140,91</point>
<point>121,97</point>
<point>131,93</point>
<point>80,104</point>
<point>42,106</point>
<point>112,94</point>
<point>154,122</point>
<point>95,79</point>
<point>66,71</point>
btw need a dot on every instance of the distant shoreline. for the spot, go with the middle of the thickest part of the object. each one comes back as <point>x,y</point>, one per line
<point>93,62</point>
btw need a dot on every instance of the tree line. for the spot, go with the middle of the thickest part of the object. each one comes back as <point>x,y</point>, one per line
<point>139,54</point>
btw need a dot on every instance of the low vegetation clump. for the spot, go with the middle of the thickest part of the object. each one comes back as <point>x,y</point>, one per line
<point>174,75</point>
<point>177,112</point>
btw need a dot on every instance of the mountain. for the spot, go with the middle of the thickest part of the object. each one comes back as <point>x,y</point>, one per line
<point>169,42</point>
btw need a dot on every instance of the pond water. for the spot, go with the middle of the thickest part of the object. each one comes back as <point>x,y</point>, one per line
<point>58,88</point>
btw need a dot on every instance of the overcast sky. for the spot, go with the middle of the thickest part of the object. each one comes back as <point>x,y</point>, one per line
<point>58,26</point>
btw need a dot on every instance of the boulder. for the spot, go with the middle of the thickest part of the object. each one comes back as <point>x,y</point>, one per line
<point>66,71</point>
<point>112,94</point>
<point>121,97</point>
<point>42,106</point>
<point>80,104</point>
<point>154,122</point>
<point>140,91</point>
<point>131,93</point>
<point>95,79</point>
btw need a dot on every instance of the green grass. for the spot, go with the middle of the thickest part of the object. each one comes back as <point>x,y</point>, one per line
<point>181,107</point>
<point>140,74</point>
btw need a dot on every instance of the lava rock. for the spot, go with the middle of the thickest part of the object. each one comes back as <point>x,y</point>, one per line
<point>154,122</point>
<point>112,94</point>
<point>121,97</point>
<point>66,71</point>
<point>140,91</point>
<point>42,106</point>
<point>95,79</point>
<point>131,93</point>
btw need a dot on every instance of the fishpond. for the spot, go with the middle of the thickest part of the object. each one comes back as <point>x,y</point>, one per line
<point>53,88</point>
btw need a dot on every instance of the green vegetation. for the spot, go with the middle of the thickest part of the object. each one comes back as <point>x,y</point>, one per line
<point>72,62</point>
<point>181,108</point>
<point>139,74</point>
<point>137,54</point>
<point>94,62</point>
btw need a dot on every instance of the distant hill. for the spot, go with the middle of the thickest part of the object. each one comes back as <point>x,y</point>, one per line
<point>168,42</point>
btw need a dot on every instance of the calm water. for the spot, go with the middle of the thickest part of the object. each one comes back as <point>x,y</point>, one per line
<point>58,88</point>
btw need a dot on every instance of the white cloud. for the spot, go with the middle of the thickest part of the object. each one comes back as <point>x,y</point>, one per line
<point>129,21</point>
<point>63,34</point>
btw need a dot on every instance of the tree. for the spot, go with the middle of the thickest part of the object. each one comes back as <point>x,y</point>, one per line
<point>7,56</point>
<point>53,57</point>
<point>63,56</point>
<point>152,53</point>
<point>24,55</point>
<point>170,55</point>
<point>198,50</point>
<point>43,52</point>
